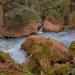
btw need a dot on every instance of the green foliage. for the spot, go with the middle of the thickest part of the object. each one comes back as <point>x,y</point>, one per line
<point>2,73</point>
<point>22,67</point>
<point>25,70</point>
<point>57,7</point>
<point>4,55</point>
<point>22,12</point>
<point>20,16</point>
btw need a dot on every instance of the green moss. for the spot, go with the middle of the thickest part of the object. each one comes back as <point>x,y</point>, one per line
<point>2,73</point>
<point>24,69</point>
<point>4,55</point>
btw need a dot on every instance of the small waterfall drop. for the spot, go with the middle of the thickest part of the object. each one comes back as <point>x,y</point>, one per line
<point>40,30</point>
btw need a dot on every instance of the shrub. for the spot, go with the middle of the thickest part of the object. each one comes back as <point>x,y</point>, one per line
<point>20,16</point>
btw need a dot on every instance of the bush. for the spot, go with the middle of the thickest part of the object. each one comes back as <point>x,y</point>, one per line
<point>20,16</point>
<point>21,11</point>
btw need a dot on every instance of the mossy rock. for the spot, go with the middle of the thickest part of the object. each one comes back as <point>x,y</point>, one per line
<point>4,55</point>
<point>8,67</point>
<point>44,54</point>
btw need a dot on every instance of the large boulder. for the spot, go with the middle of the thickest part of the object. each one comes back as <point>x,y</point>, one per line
<point>22,31</point>
<point>51,24</point>
<point>8,66</point>
<point>46,53</point>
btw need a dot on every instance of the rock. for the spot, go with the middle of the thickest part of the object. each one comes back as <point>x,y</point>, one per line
<point>5,60</point>
<point>8,66</point>
<point>46,52</point>
<point>50,24</point>
<point>23,31</point>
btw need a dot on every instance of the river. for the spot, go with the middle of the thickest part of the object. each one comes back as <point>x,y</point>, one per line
<point>13,45</point>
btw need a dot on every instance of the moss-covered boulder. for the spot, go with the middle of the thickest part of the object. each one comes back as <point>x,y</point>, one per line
<point>4,57</point>
<point>45,53</point>
<point>8,66</point>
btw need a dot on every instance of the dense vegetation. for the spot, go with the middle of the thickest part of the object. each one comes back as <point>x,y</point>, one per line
<point>19,11</point>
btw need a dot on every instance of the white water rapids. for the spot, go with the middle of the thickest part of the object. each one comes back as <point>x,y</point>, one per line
<point>13,45</point>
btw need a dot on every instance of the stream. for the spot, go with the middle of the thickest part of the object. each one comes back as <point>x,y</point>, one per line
<point>13,45</point>
<point>64,36</point>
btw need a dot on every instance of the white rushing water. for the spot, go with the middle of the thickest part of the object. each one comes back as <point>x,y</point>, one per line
<point>64,36</point>
<point>13,47</point>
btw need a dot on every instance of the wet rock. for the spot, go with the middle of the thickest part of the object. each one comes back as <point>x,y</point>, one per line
<point>5,59</point>
<point>51,24</point>
<point>46,52</point>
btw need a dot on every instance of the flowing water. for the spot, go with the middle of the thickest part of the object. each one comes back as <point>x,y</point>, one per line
<point>64,36</point>
<point>13,45</point>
